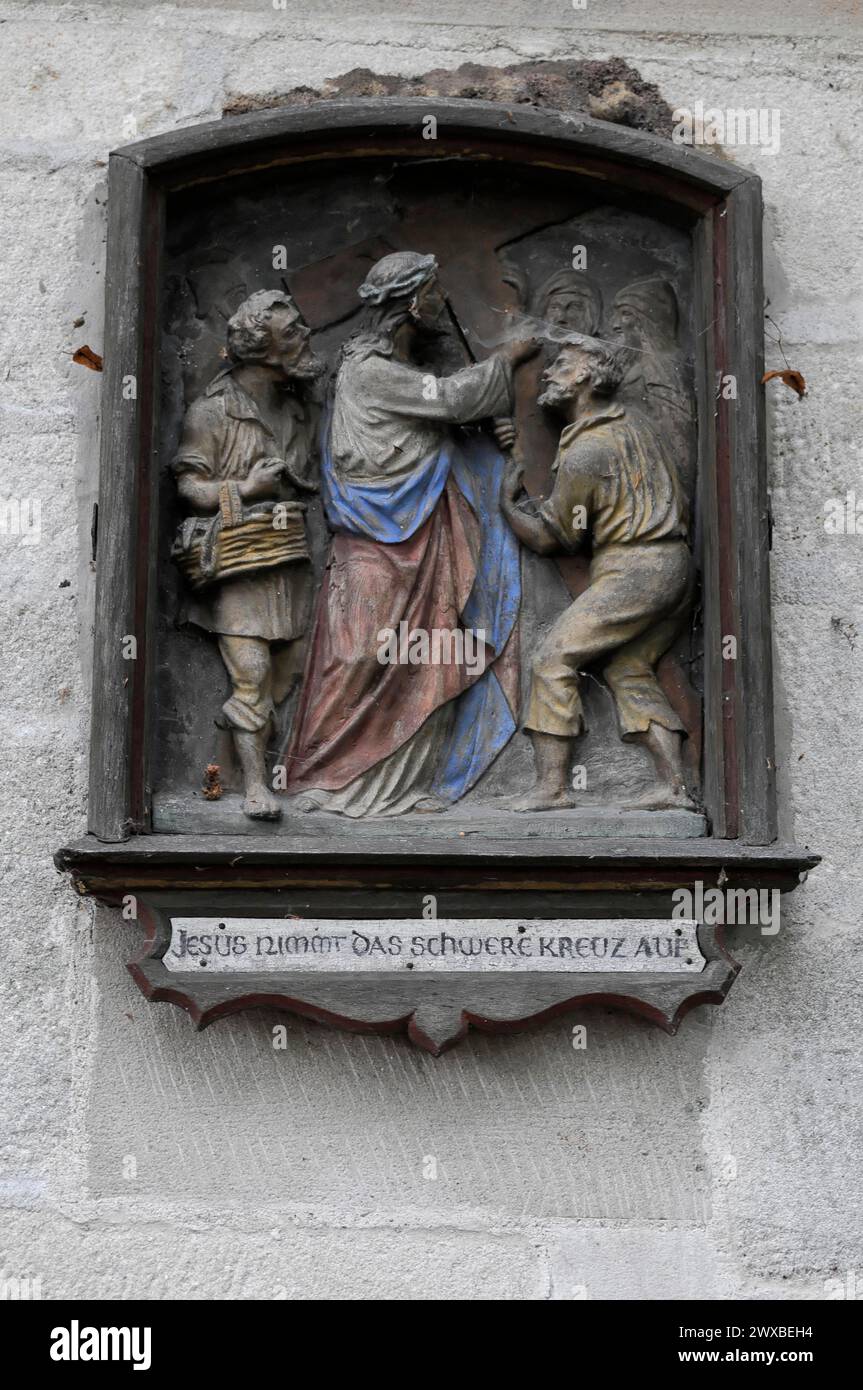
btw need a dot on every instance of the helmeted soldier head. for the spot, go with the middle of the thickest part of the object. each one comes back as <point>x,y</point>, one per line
<point>645,315</point>
<point>571,301</point>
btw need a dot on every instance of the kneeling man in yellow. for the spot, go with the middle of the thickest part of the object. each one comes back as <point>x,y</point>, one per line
<point>617,485</point>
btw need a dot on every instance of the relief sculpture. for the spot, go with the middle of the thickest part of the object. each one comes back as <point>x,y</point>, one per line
<point>617,486</point>
<point>420,556</point>
<point>433,657</point>
<point>244,464</point>
<point>408,644</point>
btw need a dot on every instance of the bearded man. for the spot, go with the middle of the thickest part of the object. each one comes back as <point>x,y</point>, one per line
<point>615,484</point>
<point>245,459</point>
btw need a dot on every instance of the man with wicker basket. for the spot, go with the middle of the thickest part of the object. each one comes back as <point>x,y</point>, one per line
<point>245,459</point>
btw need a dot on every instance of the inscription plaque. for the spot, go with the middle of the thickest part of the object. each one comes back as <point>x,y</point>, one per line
<point>231,945</point>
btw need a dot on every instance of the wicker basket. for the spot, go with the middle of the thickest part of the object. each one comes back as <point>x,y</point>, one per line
<point>209,551</point>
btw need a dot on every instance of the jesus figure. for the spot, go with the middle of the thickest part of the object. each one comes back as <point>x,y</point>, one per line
<point>420,547</point>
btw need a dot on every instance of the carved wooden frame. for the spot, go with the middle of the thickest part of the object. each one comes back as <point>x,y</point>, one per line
<point>435,1011</point>
<point>721,204</point>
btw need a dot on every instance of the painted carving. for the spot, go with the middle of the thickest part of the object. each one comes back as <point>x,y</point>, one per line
<point>244,464</point>
<point>411,687</point>
<point>645,319</point>
<point>410,690</point>
<point>468,550</point>
<point>617,487</point>
<point>570,301</point>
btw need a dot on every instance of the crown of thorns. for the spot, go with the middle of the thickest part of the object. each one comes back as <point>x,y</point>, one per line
<point>397,275</point>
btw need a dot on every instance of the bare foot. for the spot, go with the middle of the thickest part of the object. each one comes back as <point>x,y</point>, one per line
<point>541,799</point>
<point>661,799</point>
<point>260,804</point>
<point>302,804</point>
<point>432,805</point>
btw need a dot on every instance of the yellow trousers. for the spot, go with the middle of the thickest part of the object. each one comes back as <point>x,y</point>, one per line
<point>631,612</point>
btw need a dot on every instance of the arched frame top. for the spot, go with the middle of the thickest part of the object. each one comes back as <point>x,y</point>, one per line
<point>473,129</point>
<point>721,205</point>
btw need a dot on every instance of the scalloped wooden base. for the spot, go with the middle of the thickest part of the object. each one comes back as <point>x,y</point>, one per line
<point>436,1010</point>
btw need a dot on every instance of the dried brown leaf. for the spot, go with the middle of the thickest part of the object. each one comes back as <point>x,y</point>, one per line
<point>86,357</point>
<point>796,380</point>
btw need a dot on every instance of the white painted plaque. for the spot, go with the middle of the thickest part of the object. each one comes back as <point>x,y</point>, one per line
<point>234,945</point>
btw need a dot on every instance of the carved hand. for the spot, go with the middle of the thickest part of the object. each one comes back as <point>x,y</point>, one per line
<point>512,481</point>
<point>264,478</point>
<point>504,431</point>
<point>520,350</point>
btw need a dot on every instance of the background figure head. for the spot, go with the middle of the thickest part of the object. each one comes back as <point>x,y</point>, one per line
<point>570,301</point>
<point>268,330</point>
<point>644,315</point>
<point>403,287</point>
<point>584,367</point>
